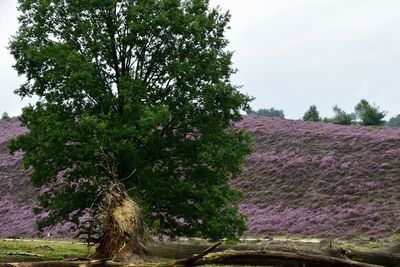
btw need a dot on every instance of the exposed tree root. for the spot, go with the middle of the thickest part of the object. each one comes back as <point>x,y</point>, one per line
<point>122,227</point>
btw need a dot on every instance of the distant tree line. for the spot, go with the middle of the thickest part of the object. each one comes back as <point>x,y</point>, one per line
<point>364,114</point>
<point>394,122</point>
<point>272,112</point>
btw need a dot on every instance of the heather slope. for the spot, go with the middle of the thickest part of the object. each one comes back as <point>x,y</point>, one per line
<point>303,178</point>
<point>17,196</point>
<point>321,179</point>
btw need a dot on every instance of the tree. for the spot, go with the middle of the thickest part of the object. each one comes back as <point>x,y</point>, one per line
<point>394,122</point>
<point>269,113</point>
<point>341,117</point>
<point>369,115</point>
<point>312,114</point>
<point>5,116</point>
<point>134,99</point>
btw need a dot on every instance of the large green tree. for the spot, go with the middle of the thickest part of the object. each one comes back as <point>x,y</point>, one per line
<point>137,94</point>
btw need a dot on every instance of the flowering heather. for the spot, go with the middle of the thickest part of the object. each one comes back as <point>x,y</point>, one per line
<point>303,178</point>
<point>321,179</point>
<point>17,195</point>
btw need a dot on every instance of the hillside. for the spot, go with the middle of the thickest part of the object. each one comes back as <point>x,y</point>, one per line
<point>303,178</point>
<point>17,196</point>
<point>321,179</point>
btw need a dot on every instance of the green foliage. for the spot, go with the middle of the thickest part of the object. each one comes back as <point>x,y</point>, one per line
<point>5,116</point>
<point>369,115</point>
<point>269,113</point>
<point>145,84</point>
<point>341,117</point>
<point>312,114</point>
<point>394,122</point>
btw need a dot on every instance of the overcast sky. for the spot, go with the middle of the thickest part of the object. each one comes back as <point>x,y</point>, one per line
<point>290,53</point>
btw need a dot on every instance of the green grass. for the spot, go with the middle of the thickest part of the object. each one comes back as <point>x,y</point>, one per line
<point>54,250</point>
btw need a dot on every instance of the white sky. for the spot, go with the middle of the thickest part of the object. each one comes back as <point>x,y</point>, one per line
<point>290,53</point>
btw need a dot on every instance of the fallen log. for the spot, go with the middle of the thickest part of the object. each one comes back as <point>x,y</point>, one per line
<point>67,264</point>
<point>229,257</point>
<point>190,261</point>
<point>385,258</point>
<point>232,257</point>
<point>20,253</point>
<point>266,258</point>
<point>273,258</point>
<point>184,251</point>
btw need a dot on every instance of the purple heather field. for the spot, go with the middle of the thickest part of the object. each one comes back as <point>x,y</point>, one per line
<point>17,195</point>
<point>303,178</point>
<point>322,180</point>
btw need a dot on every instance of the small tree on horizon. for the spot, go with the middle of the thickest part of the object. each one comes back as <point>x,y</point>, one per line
<point>271,112</point>
<point>341,117</point>
<point>312,114</point>
<point>369,115</point>
<point>5,116</point>
<point>394,122</point>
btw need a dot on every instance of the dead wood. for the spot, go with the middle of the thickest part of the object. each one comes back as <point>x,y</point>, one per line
<point>273,258</point>
<point>384,258</point>
<point>228,257</point>
<point>66,264</point>
<point>183,251</point>
<point>267,258</point>
<point>190,261</point>
<point>20,253</point>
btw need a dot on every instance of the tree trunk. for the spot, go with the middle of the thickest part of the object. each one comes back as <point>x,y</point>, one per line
<point>122,227</point>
